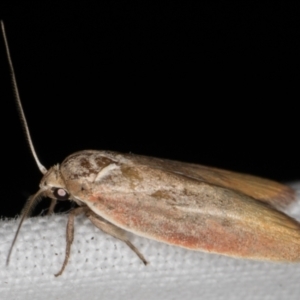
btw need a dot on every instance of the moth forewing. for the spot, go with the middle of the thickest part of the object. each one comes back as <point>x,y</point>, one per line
<point>143,195</point>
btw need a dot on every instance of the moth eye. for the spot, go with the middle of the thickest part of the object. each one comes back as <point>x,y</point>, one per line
<point>60,194</point>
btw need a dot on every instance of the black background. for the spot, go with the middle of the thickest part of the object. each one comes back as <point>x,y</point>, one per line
<point>210,83</point>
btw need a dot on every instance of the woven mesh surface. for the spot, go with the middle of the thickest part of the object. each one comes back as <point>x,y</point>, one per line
<point>102,267</point>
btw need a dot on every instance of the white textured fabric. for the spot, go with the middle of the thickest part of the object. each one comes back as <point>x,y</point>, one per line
<point>102,267</point>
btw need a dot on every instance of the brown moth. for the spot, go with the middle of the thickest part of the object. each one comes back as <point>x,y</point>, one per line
<point>182,204</point>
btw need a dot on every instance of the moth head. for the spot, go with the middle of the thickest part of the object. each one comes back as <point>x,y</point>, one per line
<point>53,185</point>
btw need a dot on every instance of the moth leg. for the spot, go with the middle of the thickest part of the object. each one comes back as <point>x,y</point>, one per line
<point>114,231</point>
<point>70,234</point>
<point>51,207</point>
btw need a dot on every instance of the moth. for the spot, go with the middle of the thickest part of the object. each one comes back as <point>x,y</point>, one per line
<point>188,205</point>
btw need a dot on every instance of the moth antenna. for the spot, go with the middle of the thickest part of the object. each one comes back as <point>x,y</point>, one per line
<point>29,206</point>
<point>19,103</point>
